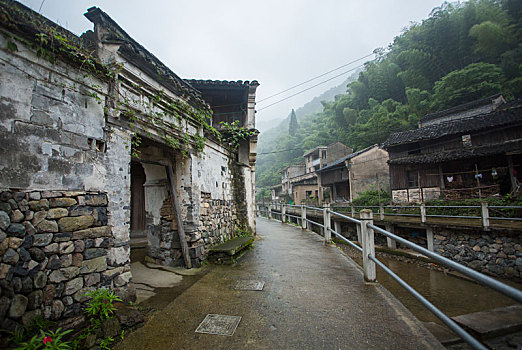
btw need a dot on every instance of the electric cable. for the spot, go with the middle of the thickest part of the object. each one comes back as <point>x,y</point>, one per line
<point>314,78</point>
<point>311,87</point>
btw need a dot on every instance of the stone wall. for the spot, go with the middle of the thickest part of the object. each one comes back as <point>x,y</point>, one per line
<point>218,220</point>
<point>413,195</point>
<point>493,254</point>
<point>55,247</point>
<point>496,253</point>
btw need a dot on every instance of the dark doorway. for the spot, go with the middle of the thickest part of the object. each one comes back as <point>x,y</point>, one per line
<point>137,223</point>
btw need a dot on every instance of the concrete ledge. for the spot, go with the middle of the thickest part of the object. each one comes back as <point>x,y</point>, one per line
<point>230,251</point>
<point>492,323</point>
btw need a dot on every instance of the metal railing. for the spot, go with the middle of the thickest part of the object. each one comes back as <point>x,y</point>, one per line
<point>483,212</point>
<point>367,229</point>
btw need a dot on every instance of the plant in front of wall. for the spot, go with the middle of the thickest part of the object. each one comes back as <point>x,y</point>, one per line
<point>47,340</point>
<point>101,306</point>
<point>106,342</point>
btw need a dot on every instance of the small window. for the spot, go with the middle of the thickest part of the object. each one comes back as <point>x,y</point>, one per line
<point>466,140</point>
<point>413,179</point>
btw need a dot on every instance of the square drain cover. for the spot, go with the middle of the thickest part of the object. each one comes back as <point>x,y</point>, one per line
<point>219,324</point>
<point>249,285</point>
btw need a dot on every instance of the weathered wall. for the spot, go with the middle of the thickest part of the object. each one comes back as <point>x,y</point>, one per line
<point>367,169</point>
<point>49,124</point>
<point>300,193</point>
<point>413,195</point>
<point>337,150</point>
<point>64,174</point>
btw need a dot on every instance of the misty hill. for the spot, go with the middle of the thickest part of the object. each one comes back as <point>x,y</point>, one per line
<point>311,107</point>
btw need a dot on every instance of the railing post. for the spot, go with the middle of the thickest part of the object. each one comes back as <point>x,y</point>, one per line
<point>485,214</point>
<point>423,212</point>
<point>368,245</point>
<point>390,241</point>
<point>381,212</point>
<point>359,238</point>
<point>429,238</point>
<point>337,226</point>
<point>327,223</point>
<point>283,213</point>
<point>353,211</point>
<point>270,210</point>
<point>303,217</point>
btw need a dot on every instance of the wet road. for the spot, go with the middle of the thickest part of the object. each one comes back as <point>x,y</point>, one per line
<point>314,298</point>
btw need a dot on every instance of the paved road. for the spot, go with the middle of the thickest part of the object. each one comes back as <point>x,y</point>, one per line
<point>314,298</point>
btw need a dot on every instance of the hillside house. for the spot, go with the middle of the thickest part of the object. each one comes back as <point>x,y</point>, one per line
<point>102,144</point>
<point>276,192</point>
<point>355,173</point>
<point>299,182</point>
<point>469,151</point>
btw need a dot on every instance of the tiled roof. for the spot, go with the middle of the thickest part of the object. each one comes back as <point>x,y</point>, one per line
<point>455,154</point>
<point>340,162</point>
<point>465,125</point>
<point>221,83</point>
<point>460,108</point>
<point>315,149</point>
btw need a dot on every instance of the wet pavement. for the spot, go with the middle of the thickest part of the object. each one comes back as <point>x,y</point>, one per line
<point>314,297</point>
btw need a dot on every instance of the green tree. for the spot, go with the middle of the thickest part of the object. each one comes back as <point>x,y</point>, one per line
<point>292,127</point>
<point>473,82</point>
<point>492,40</point>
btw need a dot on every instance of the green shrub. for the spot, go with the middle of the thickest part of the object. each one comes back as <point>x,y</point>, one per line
<point>371,198</point>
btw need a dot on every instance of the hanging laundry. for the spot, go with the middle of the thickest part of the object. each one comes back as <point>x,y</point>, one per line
<point>494,173</point>
<point>478,176</point>
<point>450,178</point>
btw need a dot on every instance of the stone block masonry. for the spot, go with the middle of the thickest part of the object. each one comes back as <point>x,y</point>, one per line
<point>218,220</point>
<point>495,254</point>
<point>54,248</point>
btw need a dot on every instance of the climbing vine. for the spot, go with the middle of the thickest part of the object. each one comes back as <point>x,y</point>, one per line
<point>233,133</point>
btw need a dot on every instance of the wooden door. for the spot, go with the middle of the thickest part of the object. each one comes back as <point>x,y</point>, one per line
<point>137,223</point>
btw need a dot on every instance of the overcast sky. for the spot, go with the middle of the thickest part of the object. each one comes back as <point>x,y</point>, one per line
<point>280,43</point>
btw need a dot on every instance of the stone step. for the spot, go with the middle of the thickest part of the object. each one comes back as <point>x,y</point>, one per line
<point>494,322</point>
<point>228,252</point>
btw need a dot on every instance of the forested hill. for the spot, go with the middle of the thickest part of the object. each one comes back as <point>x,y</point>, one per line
<point>461,52</point>
<point>268,162</point>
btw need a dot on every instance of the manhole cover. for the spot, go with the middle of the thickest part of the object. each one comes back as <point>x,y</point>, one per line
<point>219,324</point>
<point>249,285</point>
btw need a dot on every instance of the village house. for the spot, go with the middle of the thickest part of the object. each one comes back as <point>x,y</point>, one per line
<point>299,182</point>
<point>469,151</point>
<point>102,144</point>
<point>355,173</point>
<point>276,192</point>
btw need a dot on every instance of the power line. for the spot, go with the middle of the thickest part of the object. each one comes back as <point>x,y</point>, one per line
<point>314,78</point>
<point>311,87</point>
<point>284,150</point>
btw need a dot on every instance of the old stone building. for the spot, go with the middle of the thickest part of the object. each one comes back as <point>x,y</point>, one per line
<point>101,143</point>
<point>349,176</point>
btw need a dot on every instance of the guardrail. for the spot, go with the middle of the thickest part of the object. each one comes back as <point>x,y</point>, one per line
<point>367,229</point>
<point>482,212</point>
